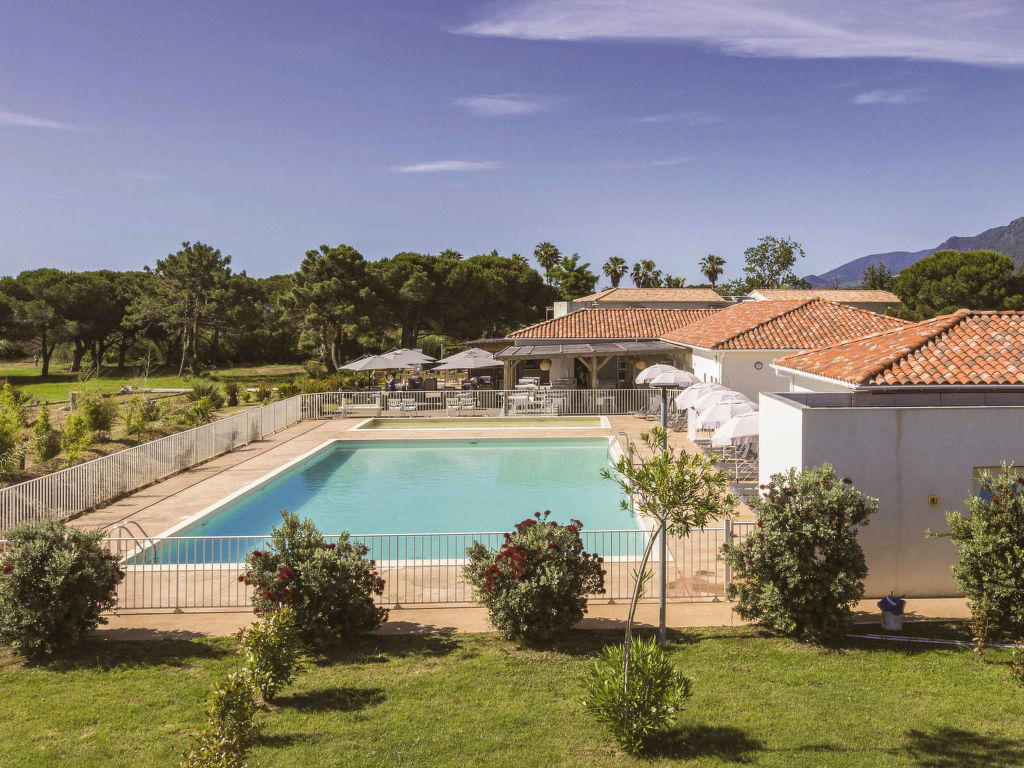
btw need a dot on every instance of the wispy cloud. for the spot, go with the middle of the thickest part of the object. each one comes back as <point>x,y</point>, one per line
<point>501,104</point>
<point>888,96</point>
<point>978,32</point>
<point>640,165</point>
<point>689,118</point>
<point>28,121</point>
<point>447,166</point>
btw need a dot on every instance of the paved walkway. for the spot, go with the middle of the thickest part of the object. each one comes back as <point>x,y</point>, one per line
<point>147,626</point>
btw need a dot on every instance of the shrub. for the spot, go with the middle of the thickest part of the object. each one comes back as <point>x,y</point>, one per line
<point>231,389</point>
<point>139,415</point>
<point>233,708</point>
<point>56,582</point>
<point>99,414</point>
<point>314,369</point>
<point>329,585</point>
<point>317,385</point>
<point>76,436</point>
<point>288,389</point>
<point>208,390</point>
<point>45,439</point>
<point>536,585</point>
<point>10,444</point>
<point>801,569</point>
<point>651,700</point>
<point>264,391</point>
<point>271,651</point>
<point>990,543</point>
<point>211,749</point>
<point>198,413</point>
<point>12,405</point>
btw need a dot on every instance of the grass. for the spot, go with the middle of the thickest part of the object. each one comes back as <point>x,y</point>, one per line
<point>476,700</point>
<point>55,387</point>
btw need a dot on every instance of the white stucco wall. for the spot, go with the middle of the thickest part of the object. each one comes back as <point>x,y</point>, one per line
<point>901,456</point>
<point>740,371</point>
<point>704,364</point>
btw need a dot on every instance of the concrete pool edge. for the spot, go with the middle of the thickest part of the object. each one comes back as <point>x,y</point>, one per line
<point>463,423</point>
<point>614,451</point>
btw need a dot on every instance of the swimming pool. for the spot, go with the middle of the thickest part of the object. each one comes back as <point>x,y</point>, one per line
<point>402,487</point>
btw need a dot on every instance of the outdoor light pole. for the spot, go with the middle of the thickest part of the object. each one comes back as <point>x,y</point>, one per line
<point>663,543</point>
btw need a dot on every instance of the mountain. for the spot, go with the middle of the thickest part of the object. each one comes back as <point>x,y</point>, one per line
<point>1008,239</point>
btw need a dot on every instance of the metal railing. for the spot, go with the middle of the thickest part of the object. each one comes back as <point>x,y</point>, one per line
<point>540,401</point>
<point>188,573</point>
<point>84,486</point>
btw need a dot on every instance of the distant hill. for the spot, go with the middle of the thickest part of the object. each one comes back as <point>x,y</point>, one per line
<point>1008,239</point>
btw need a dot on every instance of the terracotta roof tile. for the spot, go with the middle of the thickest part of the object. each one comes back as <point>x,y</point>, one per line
<point>964,348</point>
<point>841,295</point>
<point>610,323</point>
<point>655,295</point>
<point>792,324</point>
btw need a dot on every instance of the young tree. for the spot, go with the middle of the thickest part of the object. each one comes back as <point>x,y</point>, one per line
<point>572,279</point>
<point>769,264</point>
<point>878,277</point>
<point>645,274</point>
<point>615,269</point>
<point>547,256</point>
<point>949,280</point>
<point>712,267</point>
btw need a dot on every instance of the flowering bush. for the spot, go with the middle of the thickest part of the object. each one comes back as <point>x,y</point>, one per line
<point>652,698</point>
<point>990,543</point>
<point>55,582</point>
<point>330,586</point>
<point>536,585</point>
<point>270,648</point>
<point>801,569</point>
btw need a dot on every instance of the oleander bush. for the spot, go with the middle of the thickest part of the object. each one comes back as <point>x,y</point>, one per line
<point>651,699</point>
<point>535,586</point>
<point>329,585</point>
<point>230,725</point>
<point>989,542</point>
<point>270,649</point>
<point>801,569</point>
<point>55,583</point>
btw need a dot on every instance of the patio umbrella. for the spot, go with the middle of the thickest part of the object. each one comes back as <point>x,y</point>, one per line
<point>718,396</point>
<point>740,429</point>
<point>469,360</point>
<point>694,393</point>
<point>674,378</point>
<point>718,414</point>
<point>410,356</point>
<point>647,374</point>
<point>377,363</point>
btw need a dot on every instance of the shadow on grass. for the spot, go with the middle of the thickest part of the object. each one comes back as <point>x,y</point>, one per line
<point>589,642</point>
<point>339,699</point>
<point>379,649</point>
<point>957,748</point>
<point>165,652</point>
<point>722,742</point>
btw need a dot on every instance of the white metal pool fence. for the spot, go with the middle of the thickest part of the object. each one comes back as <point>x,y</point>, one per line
<point>85,486</point>
<point>194,573</point>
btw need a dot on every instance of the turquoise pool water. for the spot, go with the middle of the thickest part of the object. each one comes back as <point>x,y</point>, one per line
<point>425,486</point>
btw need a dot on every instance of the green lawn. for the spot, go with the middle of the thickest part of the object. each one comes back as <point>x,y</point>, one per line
<point>56,386</point>
<point>475,700</point>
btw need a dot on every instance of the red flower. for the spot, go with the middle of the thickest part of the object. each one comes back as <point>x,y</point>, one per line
<point>760,524</point>
<point>8,568</point>
<point>266,594</point>
<point>285,573</point>
<point>331,545</point>
<point>831,518</point>
<point>537,515</point>
<point>848,480</point>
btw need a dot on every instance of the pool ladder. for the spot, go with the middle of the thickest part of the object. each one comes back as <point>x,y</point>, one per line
<point>141,539</point>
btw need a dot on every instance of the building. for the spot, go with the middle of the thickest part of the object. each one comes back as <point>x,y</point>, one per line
<point>649,298</point>
<point>597,348</point>
<point>913,415</point>
<point>873,301</point>
<point>736,346</point>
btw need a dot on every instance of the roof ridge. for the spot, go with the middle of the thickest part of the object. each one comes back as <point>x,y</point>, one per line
<point>942,324</point>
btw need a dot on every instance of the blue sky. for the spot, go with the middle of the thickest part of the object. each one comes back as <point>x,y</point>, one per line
<point>662,129</point>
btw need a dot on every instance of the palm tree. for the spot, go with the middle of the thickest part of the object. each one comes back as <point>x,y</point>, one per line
<point>614,269</point>
<point>645,274</point>
<point>547,256</point>
<point>711,267</point>
<point>518,258</point>
<point>671,281</point>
